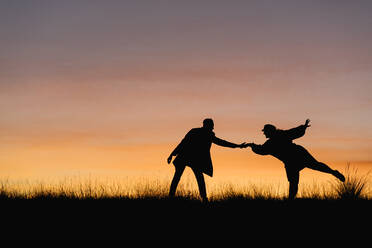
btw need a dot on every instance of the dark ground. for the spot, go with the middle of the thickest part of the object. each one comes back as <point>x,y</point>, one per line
<point>160,221</point>
<point>168,210</point>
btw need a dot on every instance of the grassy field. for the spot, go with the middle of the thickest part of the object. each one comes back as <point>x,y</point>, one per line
<point>144,197</point>
<point>356,187</point>
<point>143,207</point>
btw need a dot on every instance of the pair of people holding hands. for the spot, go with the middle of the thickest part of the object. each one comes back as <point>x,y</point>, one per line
<point>194,151</point>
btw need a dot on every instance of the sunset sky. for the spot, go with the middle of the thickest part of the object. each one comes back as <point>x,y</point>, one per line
<point>111,87</point>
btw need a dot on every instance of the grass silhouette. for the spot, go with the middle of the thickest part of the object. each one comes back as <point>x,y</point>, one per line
<point>356,187</point>
<point>145,203</point>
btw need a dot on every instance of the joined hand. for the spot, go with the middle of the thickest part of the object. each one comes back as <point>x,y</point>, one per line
<point>244,145</point>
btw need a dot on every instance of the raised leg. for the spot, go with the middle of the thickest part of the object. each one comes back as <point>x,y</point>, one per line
<point>315,165</point>
<point>319,166</point>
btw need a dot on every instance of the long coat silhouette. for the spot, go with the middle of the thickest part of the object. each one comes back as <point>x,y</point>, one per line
<point>194,150</point>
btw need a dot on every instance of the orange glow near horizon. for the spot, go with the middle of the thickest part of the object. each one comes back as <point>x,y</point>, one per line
<point>149,161</point>
<point>86,92</point>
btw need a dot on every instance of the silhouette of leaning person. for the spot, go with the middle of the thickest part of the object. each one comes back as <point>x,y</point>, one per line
<point>194,151</point>
<point>294,157</point>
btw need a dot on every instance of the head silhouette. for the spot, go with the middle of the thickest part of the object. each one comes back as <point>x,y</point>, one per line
<point>269,130</point>
<point>208,124</point>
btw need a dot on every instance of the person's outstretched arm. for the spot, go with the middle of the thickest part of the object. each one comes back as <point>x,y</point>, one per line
<point>225,143</point>
<point>297,132</point>
<point>260,149</point>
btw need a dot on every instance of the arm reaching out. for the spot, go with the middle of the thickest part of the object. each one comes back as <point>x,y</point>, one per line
<point>297,132</point>
<point>259,149</point>
<point>225,143</point>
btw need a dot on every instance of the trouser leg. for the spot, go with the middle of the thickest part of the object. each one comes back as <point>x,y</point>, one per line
<point>312,163</point>
<point>293,176</point>
<point>319,166</point>
<point>293,188</point>
<point>201,184</point>
<point>176,179</point>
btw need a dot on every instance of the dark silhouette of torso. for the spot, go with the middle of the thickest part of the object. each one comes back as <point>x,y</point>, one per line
<point>194,150</point>
<point>281,146</point>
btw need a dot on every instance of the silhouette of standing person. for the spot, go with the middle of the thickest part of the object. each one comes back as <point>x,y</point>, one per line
<point>295,157</point>
<point>194,151</point>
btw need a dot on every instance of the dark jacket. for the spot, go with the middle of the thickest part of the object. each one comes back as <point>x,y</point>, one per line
<point>194,150</point>
<point>282,147</point>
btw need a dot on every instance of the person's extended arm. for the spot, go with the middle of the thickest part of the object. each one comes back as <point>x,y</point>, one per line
<point>225,143</point>
<point>259,149</point>
<point>297,132</point>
